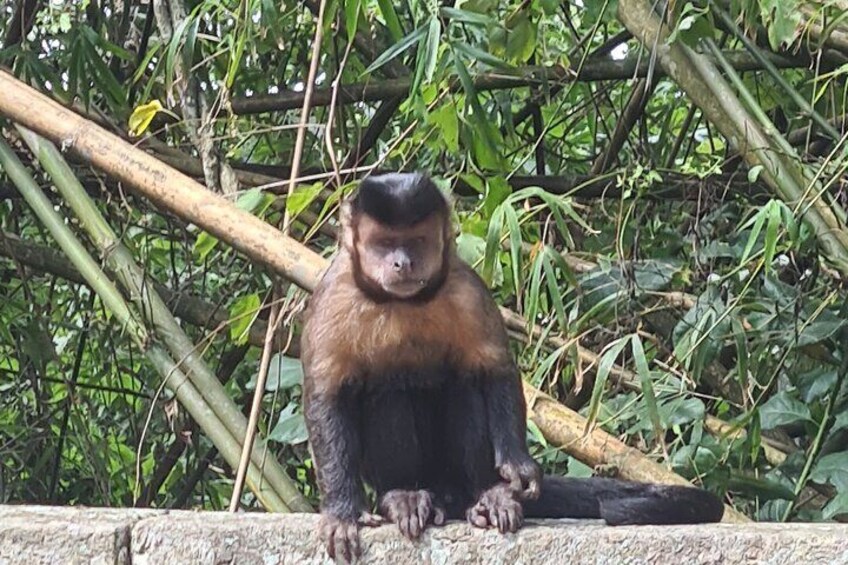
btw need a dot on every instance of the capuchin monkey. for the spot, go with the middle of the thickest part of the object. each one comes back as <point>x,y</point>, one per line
<point>409,385</point>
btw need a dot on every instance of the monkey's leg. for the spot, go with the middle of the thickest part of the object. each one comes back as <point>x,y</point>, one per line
<point>476,490</point>
<point>335,443</point>
<point>398,448</point>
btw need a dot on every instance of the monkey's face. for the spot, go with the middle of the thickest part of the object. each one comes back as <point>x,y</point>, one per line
<point>401,260</point>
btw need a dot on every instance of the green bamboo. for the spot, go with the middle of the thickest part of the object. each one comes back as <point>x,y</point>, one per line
<point>147,300</point>
<point>702,82</point>
<point>771,69</point>
<point>175,379</point>
<point>799,175</point>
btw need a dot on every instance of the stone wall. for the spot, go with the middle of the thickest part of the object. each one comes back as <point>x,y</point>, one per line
<point>34,535</point>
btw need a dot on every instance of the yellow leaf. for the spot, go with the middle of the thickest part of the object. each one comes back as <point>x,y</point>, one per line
<point>142,116</point>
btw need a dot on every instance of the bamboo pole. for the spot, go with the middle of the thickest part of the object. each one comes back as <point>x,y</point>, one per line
<point>184,197</point>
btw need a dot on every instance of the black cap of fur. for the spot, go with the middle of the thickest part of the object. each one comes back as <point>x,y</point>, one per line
<point>399,199</point>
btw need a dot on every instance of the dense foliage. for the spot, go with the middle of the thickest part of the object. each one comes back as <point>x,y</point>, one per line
<point>592,194</point>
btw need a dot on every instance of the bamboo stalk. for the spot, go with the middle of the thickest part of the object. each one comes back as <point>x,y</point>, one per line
<point>698,77</point>
<point>175,379</point>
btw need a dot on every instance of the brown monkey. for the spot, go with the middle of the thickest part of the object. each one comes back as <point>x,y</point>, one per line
<point>410,386</point>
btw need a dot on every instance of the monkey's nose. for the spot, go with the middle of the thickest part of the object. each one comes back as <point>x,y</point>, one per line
<point>401,264</point>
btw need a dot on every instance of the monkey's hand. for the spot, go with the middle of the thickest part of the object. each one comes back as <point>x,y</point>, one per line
<point>411,510</point>
<point>498,508</point>
<point>524,476</point>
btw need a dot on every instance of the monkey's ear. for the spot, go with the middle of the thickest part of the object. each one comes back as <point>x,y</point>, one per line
<point>346,219</point>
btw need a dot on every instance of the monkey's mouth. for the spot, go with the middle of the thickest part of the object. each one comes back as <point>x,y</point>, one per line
<point>406,288</point>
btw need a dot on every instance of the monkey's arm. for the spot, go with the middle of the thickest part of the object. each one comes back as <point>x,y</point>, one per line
<point>335,444</point>
<point>507,415</point>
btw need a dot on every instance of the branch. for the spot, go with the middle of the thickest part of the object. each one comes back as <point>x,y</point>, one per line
<point>595,70</point>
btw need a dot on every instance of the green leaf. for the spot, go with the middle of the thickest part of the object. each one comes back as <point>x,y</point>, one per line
<point>302,197</point>
<point>605,365</point>
<point>476,54</point>
<point>833,469</point>
<point>387,8</point>
<point>203,245</point>
<point>646,382</point>
<point>242,314</point>
<point>283,373</point>
<point>521,39</point>
<point>352,10</point>
<point>470,248</point>
<point>838,505</point>
<point>428,54</point>
<point>783,409</point>
<point>681,411</point>
<point>397,49</point>
<point>754,173</point>
<point>446,120</point>
<point>290,428</point>
<point>465,16</point>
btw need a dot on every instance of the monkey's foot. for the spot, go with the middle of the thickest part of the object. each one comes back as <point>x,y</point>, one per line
<point>411,510</point>
<point>497,508</point>
<point>341,538</point>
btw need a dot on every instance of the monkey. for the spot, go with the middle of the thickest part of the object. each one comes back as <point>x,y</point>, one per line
<point>410,388</point>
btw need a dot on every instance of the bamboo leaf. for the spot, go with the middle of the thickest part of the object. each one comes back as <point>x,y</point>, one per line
<point>646,383</point>
<point>142,116</point>
<point>605,364</point>
<point>387,8</point>
<point>396,49</point>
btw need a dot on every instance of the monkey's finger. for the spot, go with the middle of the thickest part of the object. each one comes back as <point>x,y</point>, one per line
<point>425,507</point>
<point>439,518</point>
<point>406,526</point>
<point>511,475</point>
<point>476,518</point>
<point>533,490</point>
<point>516,518</point>
<point>502,515</point>
<point>414,527</point>
<point>342,544</point>
<point>370,520</point>
<point>353,540</point>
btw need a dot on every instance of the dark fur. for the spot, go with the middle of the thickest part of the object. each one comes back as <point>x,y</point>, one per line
<point>396,199</point>
<point>434,418</point>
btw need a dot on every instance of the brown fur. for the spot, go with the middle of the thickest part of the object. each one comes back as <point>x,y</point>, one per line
<point>460,323</point>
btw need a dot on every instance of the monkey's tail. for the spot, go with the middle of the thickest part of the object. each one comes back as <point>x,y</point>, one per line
<point>621,502</point>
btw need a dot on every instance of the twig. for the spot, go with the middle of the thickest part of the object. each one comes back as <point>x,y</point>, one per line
<point>275,317</point>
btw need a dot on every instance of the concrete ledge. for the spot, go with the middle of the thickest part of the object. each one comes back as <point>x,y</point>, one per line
<point>63,535</point>
<point>45,534</point>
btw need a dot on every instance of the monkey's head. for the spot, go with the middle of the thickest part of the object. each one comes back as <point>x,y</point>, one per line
<point>397,231</point>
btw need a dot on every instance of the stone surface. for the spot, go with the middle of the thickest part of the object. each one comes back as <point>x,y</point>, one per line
<point>260,538</point>
<point>43,534</point>
<point>74,535</point>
